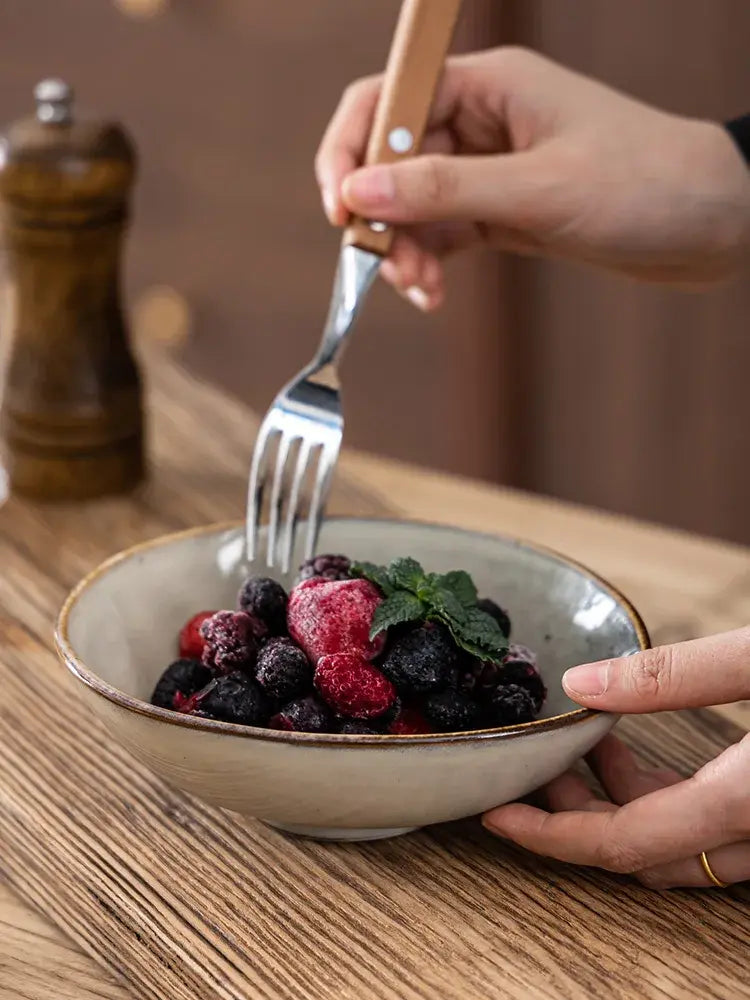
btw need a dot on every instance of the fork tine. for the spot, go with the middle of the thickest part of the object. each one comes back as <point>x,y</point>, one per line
<point>256,485</point>
<point>277,495</point>
<point>328,455</point>
<point>286,542</point>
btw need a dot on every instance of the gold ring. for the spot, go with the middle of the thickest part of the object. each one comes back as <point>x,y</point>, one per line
<point>710,872</point>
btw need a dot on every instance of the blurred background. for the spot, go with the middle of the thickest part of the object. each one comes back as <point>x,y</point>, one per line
<point>544,376</point>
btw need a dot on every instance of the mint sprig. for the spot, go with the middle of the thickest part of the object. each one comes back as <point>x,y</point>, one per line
<point>411,595</point>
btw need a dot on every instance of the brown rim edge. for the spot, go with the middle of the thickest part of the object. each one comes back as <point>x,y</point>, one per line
<point>97,685</point>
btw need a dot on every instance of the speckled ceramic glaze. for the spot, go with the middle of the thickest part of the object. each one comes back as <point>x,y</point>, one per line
<point>117,632</point>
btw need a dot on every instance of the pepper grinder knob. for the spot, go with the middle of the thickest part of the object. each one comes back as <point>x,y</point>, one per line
<point>54,102</point>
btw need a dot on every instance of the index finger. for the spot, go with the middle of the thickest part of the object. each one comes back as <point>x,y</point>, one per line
<point>344,142</point>
<point>675,822</point>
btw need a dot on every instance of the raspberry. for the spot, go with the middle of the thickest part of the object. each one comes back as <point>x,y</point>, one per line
<point>230,641</point>
<point>421,660</point>
<point>266,600</point>
<point>451,711</point>
<point>510,705</point>
<point>183,677</point>
<point>409,722</point>
<point>334,616</point>
<point>500,616</point>
<point>328,567</point>
<point>305,715</point>
<point>356,727</point>
<point>353,687</point>
<point>236,698</point>
<point>283,670</point>
<point>191,640</point>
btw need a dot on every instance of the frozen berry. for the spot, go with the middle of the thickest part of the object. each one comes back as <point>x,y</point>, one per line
<point>231,641</point>
<point>191,640</point>
<point>266,600</point>
<point>283,670</point>
<point>183,677</point>
<point>421,660</point>
<point>510,705</point>
<point>305,715</point>
<point>478,678</point>
<point>409,722</point>
<point>327,566</point>
<point>334,616</point>
<point>356,727</point>
<point>500,616</point>
<point>236,698</point>
<point>525,675</point>
<point>518,653</point>
<point>353,687</point>
<point>451,711</point>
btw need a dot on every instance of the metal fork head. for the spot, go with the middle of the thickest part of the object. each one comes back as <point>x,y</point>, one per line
<point>301,434</point>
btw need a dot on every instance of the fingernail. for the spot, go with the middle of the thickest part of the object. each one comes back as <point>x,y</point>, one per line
<point>418,298</point>
<point>329,204</point>
<point>588,680</point>
<point>371,186</point>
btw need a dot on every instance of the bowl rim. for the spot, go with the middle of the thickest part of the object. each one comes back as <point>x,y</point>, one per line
<point>99,686</point>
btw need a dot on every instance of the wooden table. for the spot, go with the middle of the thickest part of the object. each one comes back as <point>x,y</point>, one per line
<point>113,885</point>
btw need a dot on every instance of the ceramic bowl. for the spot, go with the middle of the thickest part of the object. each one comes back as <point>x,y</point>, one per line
<point>117,632</point>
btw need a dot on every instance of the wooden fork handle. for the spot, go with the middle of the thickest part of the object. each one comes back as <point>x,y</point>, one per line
<point>418,50</point>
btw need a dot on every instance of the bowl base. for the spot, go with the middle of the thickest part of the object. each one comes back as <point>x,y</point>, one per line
<point>341,833</point>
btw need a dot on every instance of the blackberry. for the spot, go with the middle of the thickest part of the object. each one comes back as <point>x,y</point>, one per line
<point>500,616</point>
<point>422,660</point>
<point>358,727</point>
<point>183,677</point>
<point>283,670</point>
<point>478,678</point>
<point>450,711</point>
<point>329,567</point>
<point>231,641</point>
<point>510,705</point>
<point>524,675</point>
<point>304,715</point>
<point>266,600</point>
<point>236,698</point>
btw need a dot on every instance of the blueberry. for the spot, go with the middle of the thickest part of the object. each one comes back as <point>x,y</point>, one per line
<point>283,670</point>
<point>421,660</point>
<point>356,727</point>
<point>304,715</point>
<point>510,705</point>
<point>500,616</point>
<point>236,698</point>
<point>266,600</point>
<point>330,567</point>
<point>183,676</point>
<point>451,711</point>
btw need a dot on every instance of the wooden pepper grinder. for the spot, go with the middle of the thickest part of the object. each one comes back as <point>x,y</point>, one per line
<point>71,417</point>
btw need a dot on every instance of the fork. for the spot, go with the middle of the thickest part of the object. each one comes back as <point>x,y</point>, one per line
<point>305,421</point>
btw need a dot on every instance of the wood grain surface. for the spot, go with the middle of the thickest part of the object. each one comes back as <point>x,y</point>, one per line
<point>178,900</point>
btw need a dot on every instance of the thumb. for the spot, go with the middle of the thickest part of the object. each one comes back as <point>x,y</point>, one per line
<point>433,188</point>
<point>710,671</point>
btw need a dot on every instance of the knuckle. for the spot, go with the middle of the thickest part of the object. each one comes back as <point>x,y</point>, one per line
<point>439,182</point>
<point>619,858</point>
<point>652,672</point>
<point>357,90</point>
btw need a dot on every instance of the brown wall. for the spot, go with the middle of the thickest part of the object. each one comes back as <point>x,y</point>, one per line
<point>545,375</point>
<point>636,396</point>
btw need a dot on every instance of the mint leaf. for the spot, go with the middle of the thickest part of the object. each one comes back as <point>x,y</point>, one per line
<point>481,632</point>
<point>447,605</point>
<point>461,584</point>
<point>405,574</point>
<point>375,574</point>
<point>399,607</point>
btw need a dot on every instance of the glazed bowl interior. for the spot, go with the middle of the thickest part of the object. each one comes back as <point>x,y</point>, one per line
<point>119,628</point>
